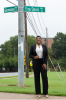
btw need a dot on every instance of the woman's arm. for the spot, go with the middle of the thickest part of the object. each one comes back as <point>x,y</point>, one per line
<point>31,53</point>
<point>46,56</point>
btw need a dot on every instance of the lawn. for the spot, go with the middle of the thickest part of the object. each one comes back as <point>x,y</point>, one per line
<point>56,86</point>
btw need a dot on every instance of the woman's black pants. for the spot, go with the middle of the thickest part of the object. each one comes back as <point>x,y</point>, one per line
<point>37,67</point>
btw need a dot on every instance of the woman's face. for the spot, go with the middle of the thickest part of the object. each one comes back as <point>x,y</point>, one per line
<point>38,40</point>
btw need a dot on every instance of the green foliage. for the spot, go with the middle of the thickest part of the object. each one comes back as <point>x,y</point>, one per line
<point>50,53</point>
<point>9,52</point>
<point>14,46</point>
<point>5,62</point>
<point>58,51</point>
<point>62,63</point>
<point>59,46</point>
<point>0,52</point>
<point>31,41</point>
<point>9,47</point>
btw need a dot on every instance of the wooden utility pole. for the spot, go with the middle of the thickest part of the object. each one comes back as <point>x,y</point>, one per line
<point>46,37</point>
<point>26,45</point>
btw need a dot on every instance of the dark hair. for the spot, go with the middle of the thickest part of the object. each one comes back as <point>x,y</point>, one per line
<point>38,36</point>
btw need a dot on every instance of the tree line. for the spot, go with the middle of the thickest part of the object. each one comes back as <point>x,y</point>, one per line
<point>9,52</point>
<point>57,52</point>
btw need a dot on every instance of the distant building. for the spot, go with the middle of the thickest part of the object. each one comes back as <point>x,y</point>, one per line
<point>49,41</point>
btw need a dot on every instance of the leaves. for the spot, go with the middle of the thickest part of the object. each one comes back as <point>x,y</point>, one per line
<point>59,46</point>
<point>9,51</point>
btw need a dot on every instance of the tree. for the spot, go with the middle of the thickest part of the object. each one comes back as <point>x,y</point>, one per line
<point>9,52</point>
<point>59,46</point>
<point>62,63</point>
<point>14,45</point>
<point>1,61</point>
<point>31,41</point>
<point>10,48</point>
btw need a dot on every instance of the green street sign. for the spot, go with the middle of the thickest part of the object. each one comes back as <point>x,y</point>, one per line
<point>34,9</point>
<point>11,9</point>
<point>26,9</point>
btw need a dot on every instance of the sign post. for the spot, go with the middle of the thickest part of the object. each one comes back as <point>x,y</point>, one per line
<point>20,43</point>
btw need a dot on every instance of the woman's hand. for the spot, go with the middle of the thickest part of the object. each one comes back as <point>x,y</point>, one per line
<point>37,57</point>
<point>44,66</point>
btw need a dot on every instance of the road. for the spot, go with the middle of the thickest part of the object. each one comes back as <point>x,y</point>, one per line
<point>8,74</point>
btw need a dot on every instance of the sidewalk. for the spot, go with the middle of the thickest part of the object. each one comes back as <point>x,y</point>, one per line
<point>19,96</point>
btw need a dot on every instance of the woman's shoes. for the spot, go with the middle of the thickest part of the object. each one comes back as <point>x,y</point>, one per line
<point>47,96</point>
<point>39,95</point>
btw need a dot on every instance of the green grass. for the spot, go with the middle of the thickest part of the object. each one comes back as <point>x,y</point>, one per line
<point>9,76</point>
<point>56,87</point>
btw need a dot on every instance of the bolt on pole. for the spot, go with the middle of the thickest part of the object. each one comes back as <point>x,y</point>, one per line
<point>20,43</point>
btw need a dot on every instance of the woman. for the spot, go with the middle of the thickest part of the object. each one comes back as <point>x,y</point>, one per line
<point>39,54</point>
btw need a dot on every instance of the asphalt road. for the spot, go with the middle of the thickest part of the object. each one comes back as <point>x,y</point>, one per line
<point>8,74</point>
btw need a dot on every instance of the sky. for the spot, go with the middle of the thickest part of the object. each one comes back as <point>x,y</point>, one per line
<point>54,19</point>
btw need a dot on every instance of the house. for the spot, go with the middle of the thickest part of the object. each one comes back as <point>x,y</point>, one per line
<point>49,41</point>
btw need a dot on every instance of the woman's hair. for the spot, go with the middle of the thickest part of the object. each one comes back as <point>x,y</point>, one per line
<point>38,36</point>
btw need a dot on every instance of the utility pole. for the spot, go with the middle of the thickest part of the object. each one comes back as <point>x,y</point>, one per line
<point>47,37</point>
<point>26,45</point>
<point>47,42</point>
<point>20,43</point>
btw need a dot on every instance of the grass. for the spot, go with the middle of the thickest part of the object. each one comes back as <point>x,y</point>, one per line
<point>9,76</point>
<point>56,87</point>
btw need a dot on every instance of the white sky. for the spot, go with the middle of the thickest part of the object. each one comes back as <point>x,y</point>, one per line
<point>54,19</point>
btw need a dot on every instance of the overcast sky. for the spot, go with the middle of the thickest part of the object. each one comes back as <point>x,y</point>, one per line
<point>54,19</point>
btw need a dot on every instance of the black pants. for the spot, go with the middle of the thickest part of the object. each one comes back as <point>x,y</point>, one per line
<point>37,67</point>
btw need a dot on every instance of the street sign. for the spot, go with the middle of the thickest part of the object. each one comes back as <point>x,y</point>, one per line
<point>26,9</point>
<point>11,9</point>
<point>34,9</point>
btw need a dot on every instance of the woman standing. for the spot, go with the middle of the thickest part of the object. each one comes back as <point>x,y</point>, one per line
<point>39,54</point>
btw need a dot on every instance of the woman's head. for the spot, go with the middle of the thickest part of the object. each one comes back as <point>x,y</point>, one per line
<point>38,40</point>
